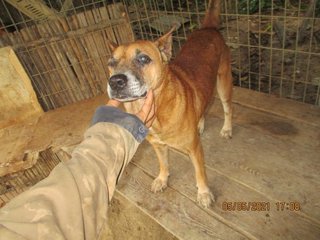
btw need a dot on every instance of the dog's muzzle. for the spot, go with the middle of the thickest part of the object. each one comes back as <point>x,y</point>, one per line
<point>118,82</point>
<point>126,87</point>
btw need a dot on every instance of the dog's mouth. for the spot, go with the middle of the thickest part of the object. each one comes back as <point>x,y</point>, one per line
<point>126,87</point>
<point>125,98</point>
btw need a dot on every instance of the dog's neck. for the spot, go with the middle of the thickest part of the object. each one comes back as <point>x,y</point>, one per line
<point>162,81</point>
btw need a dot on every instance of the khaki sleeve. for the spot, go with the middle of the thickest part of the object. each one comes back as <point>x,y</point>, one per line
<point>71,203</point>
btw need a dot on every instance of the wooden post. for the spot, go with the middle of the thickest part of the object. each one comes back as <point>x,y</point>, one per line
<point>34,9</point>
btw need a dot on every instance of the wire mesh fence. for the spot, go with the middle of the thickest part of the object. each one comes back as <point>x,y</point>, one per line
<point>274,44</point>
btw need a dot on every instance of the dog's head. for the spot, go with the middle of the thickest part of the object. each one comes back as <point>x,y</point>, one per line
<point>136,67</point>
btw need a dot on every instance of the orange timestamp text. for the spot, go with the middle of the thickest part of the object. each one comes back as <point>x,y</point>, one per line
<point>260,206</point>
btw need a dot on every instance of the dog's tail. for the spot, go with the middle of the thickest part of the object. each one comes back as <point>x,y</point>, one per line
<point>211,19</point>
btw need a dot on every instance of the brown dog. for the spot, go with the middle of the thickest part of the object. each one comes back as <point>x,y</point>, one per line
<point>182,88</point>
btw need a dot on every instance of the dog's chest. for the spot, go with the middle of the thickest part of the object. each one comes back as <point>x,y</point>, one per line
<point>154,137</point>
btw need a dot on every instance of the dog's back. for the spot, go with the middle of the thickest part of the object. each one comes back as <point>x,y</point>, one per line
<point>200,56</point>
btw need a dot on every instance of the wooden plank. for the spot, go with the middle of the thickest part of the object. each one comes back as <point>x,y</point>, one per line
<point>308,114</point>
<point>29,66</point>
<point>287,130</point>
<point>36,10</point>
<point>127,221</point>
<point>36,79</point>
<point>251,167</point>
<point>254,166</point>
<point>93,53</point>
<point>37,67</point>
<point>79,49</point>
<point>70,86</point>
<point>113,13</point>
<point>104,47</point>
<point>75,57</point>
<point>268,159</point>
<point>85,63</point>
<point>73,33</point>
<point>122,32</point>
<point>18,103</point>
<point>121,11</point>
<point>109,33</point>
<point>272,224</point>
<point>53,74</point>
<point>13,142</point>
<point>59,67</point>
<point>175,212</point>
<point>48,77</point>
<point>67,125</point>
<point>101,52</point>
<point>17,97</point>
<point>70,79</point>
<point>25,178</point>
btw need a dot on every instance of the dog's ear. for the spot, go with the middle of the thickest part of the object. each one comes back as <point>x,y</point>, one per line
<point>164,43</point>
<point>112,45</point>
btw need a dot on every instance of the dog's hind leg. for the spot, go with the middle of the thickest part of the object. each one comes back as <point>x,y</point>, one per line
<point>162,152</point>
<point>204,197</point>
<point>224,88</point>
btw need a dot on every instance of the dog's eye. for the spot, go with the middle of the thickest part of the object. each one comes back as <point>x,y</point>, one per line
<point>143,59</point>
<point>112,62</point>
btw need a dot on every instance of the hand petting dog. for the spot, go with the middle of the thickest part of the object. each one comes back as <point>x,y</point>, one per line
<point>146,113</point>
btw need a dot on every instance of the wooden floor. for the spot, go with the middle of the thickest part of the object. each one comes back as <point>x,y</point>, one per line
<point>273,158</point>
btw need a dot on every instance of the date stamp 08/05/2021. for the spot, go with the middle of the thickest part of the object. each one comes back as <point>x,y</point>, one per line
<point>260,206</point>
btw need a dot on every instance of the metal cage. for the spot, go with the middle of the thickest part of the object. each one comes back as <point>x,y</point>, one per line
<point>274,44</point>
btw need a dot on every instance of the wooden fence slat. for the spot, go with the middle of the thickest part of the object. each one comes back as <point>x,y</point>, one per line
<point>116,13</point>
<point>115,29</point>
<point>66,58</point>
<point>70,78</point>
<point>38,66</point>
<point>92,53</point>
<point>62,65</point>
<point>99,51</point>
<point>72,55</point>
<point>110,35</point>
<point>105,51</point>
<point>75,57</point>
<point>102,40</point>
<point>84,63</point>
<point>47,57</point>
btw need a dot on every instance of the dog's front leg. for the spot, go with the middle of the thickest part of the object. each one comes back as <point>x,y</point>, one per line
<point>205,197</point>
<point>160,183</point>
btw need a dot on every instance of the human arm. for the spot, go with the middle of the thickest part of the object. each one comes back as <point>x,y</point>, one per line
<point>72,202</point>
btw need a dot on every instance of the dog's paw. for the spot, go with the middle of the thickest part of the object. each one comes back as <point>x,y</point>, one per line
<point>226,133</point>
<point>158,185</point>
<point>205,199</point>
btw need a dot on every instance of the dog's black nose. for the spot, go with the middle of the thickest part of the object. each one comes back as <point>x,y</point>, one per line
<point>118,81</point>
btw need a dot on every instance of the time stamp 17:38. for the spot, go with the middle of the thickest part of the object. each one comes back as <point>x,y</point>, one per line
<point>260,206</point>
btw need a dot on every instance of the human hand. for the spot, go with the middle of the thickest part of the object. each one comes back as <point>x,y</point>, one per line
<point>147,111</point>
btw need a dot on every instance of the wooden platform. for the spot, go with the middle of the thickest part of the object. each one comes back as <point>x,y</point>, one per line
<point>273,157</point>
